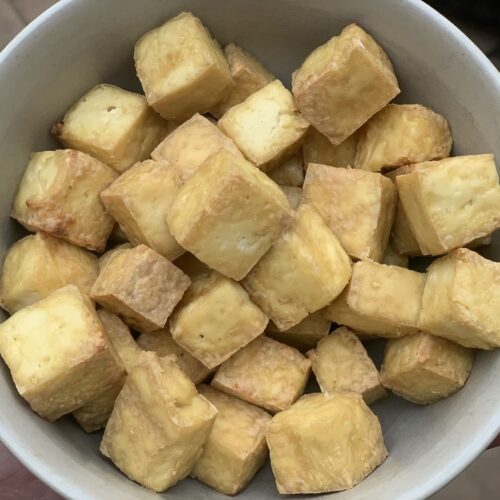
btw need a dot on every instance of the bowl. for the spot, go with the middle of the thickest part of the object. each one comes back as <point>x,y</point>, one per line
<point>79,43</point>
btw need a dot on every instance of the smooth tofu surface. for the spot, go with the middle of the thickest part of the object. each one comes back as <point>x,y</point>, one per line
<point>318,149</point>
<point>59,194</point>
<point>190,265</point>
<point>265,373</point>
<point>303,271</point>
<point>236,447</point>
<point>289,173</point>
<point>358,207</point>
<point>266,127</point>
<point>38,264</point>
<point>343,83</point>
<point>106,257</point>
<point>324,443</point>
<point>393,258</point>
<point>293,194</point>
<point>229,214</point>
<point>424,369</point>
<point>182,69</point>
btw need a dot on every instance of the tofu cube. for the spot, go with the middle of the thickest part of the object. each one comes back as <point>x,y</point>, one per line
<point>293,194</point>
<point>182,69</point>
<point>216,318</point>
<point>236,447</point>
<point>324,443</point>
<point>58,353</point>
<point>265,373</point>
<point>357,206</point>
<point>106,257</point>
<point>141,286</point>
<point>38,264</point>
<point>393,258</point>
<point>343,83</point>
<point>303,271</point>
<point>424,369</point>
<point>341,364</point>
<point>190,265</point>
<point>139,199</point>
<point>381,300</point>
<point>266,127</point>
<point>59,194</point>
<point>159,424</point>
<point>229,214</point>
<point>289,173</point>
<point>115,126</point>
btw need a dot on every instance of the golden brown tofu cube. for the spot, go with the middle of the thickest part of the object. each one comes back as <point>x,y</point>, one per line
<point>314,451</point>
<point>303,271</point>
<point>59,194</point>
<point>38,264</point>
<point>58,353</point>
<point>341,364</point>
<point>190,265</point>
<point>293,194</point>
<point>343,83</point>
<point>401,134</point>
<point>229,214</point>
<point>393,258</point>
<point>381,300</point>
<point>236,447</point>
<point>424,369</point>
<point>189,145</point>
<point>289,173</point>
<point>139,199</point>
<point>266,127</point>
<point>109,254</point>
<point>141,286</point>
<point>358,207</point>
<point>265,373</point>
<point>182,69</point>
<point>113,125</point>
<point>216,318</point>
<point>159,424</point>
<point>451,202</point>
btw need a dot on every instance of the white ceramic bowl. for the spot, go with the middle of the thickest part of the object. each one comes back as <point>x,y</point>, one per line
<point>79,43</point>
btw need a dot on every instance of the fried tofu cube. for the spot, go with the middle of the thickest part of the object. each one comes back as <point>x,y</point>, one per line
<point>303,271</point>
<point>451,202</point>
<point>381,300</point>
<point>141,286</point>
<point>290,173</point>
<point>265,373</point>
<point>423,368</point>
<point>190,265</point>
<point>189,145</point>
<point>293,194</point>
<point>266,127</point>
<point>358,207</point>
<point>393,258</point>
<point>113,125</point>
<point>314,451</point>
<point>229,214</point>
<point>38,264</point>
<point>236,447</point>
<point>341,364</point>
<point>401,134</point>
<point>182,69</point>
<point>159,424</point>
<point>216,318</point>
<point>58,353</point>
<point>139,199</point>
<point>59,194</point>
<point>343,83</point>
<point>106,257</point>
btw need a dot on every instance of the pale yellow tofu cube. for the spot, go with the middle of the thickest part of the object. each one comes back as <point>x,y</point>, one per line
<point>159,424</point>
<point>303,271</point>
<point>341,364</point>
<point>343,83</point>
<point>324,443</point>
<point>229,214</point>
<point>109,254</point>
<point>113,125</point>
<point>216,318</point>
<point>358,207</point>
<point>266,127</point>
<point>424,369</point>
<point>293,194</point>
<point>190,265</point>
<point>141,286</point>
<point>393,258</point>
<point>265,373</point>
<point>289,173</point>
<point>381,300</point>
<point>59,194</point>
<point>236,447</point>
<point>58,353</point>
<point>182,69</point>
<point>139,199</point>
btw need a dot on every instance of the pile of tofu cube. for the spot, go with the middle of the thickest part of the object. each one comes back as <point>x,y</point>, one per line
<point>251,235</point>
